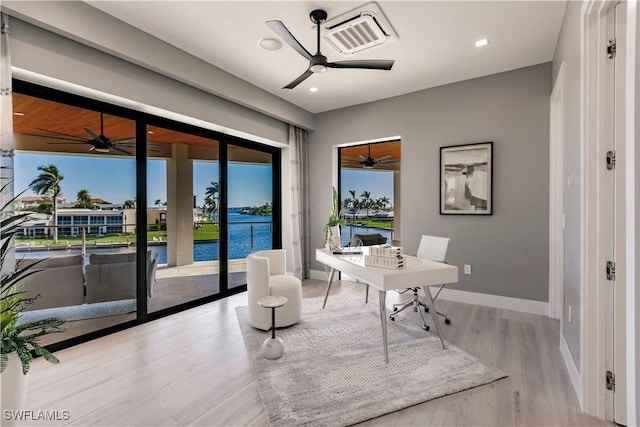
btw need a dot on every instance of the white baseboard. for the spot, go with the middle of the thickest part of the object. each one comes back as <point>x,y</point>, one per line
<point>572,370</point>
<point>487,300</point>
<point>495,301</point>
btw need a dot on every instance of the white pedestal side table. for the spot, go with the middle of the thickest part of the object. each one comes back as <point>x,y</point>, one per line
<point>272,348</point>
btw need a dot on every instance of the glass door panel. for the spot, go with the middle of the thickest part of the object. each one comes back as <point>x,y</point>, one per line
<point>79,192</point>
<point>183,228</point>
<point>250,208</point>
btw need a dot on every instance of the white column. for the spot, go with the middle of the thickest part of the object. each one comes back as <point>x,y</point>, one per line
<point>179,207</point>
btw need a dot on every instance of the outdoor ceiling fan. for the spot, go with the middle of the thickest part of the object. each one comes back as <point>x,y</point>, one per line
<point>369,162</point>
<point>99,143</point>
<point>318,63</point>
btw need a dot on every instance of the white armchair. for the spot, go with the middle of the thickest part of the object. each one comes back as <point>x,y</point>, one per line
<point>266,275</point>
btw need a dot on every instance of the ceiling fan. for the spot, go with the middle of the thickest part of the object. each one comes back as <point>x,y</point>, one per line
<point>99,143</point>
<point>318,63</point>
<point>368,162</point>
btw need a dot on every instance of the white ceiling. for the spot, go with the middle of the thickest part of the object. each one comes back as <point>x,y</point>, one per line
<point>435,44</point>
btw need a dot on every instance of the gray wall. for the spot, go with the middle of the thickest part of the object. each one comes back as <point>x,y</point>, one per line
<point>508,250</point>
<point>568,56</point>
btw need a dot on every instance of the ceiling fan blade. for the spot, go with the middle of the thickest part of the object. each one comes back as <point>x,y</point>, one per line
<point>279,28</point>
<point>388,156</point>
<point>120,150</point>
<point>93,135</point>
<point>373,64</point>
<point>124,140</point>
<point>66,143</point>
<point>57,133</point>
<point>362,158</point>
<point>299,80</point>
<point>68,138</point>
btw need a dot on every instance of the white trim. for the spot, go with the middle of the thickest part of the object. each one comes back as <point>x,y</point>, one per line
<point>556,197</point>
<point>495,301</point>
<point>572,370</point>
<point>632,215</point>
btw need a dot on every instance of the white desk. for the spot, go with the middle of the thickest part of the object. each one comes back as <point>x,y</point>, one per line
<point>416,272</point>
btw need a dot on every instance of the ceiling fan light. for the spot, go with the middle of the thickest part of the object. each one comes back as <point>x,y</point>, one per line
<point>101,150</point>
<point>318,68</point>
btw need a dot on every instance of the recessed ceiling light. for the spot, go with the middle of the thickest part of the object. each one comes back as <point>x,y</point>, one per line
<point>482,42</point>
<point>18,113</point>
<point>150,132</point>
<point>269,43</point>
<point>313,89</point>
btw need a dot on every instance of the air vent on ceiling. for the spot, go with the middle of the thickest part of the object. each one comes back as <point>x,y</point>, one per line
<point>359,29</point>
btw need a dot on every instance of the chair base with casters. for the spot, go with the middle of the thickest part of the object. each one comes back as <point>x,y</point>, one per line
<point>415,303</point>
<point>434,249</point>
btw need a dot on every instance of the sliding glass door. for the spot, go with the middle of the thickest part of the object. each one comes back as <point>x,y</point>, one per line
<point>182,216</point>
<point>152,216</point>
<point>250,208</point>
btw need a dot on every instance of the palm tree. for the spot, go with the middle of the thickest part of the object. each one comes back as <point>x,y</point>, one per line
<point>383,202</point>
<point>84,199</point>
<point>354,203</point>
<point>210,206</point>
<point>366,201</point>
<point>129,204</point>
<point>213,193</point>
<point>48,183</point>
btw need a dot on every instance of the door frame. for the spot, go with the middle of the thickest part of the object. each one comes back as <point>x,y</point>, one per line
<point>596,232</point>
<point>556,198</point>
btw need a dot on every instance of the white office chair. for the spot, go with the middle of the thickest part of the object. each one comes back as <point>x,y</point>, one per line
<point>434,249</point>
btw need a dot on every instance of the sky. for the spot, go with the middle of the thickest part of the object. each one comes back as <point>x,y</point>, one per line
<point>113,179</point>
<point>378,183</point>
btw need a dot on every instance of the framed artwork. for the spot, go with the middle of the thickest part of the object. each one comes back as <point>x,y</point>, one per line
<point>466,179</point>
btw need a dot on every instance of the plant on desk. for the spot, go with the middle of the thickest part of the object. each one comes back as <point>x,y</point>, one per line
<point>331,229</point>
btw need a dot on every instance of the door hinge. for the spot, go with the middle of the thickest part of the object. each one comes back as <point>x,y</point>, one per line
<point>611,159</point>
<point>611,48</point>
<point>611,381</point>
<point>611,270</point>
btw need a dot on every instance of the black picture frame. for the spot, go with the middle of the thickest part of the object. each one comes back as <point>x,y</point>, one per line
<point>466,179</point>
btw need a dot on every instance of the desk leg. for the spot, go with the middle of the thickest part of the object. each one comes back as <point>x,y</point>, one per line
<point>434,314</point>
<point>383,319</point>
<point>326,295</point>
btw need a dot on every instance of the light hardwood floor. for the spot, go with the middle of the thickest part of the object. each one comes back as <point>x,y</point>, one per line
<point>192,369</point>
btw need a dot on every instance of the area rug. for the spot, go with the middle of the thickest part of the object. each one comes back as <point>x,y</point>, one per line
<point>333,371</point>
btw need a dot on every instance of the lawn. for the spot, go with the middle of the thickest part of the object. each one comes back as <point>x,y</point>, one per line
<point>206,232</point>
<point>387,225</point>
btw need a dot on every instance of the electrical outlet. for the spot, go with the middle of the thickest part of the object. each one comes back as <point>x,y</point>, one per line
<point>570,314</point>
<point>467,269</point>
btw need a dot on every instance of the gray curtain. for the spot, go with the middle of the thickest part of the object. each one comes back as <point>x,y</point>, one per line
<point>298,145</point>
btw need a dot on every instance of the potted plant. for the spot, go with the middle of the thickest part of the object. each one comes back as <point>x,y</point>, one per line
<point>332,228</point>
<point>19,340</point>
